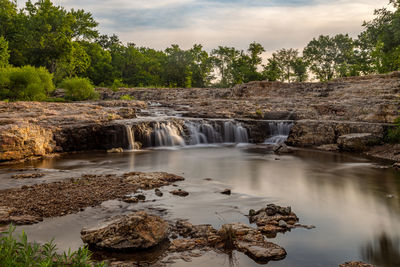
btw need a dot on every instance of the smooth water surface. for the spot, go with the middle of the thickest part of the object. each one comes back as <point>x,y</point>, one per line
<point>353,202</point>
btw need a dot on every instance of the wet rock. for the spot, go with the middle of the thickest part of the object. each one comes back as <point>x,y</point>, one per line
<point>27,175</point>
<point>357,141</point>
<point>273,219</point>
<point>355,264</point>
<point>10,215</point>
<point>115,150</point>
<point>282,224</point>
<point>226,192</point>
<point>396,166</point>
<point>282,148</point>
<point>130,199</point>
<point>328,147</point>
<point>262,253</point>
<point>136,231</point>
<point>158,192</point>
<point>180,193</point>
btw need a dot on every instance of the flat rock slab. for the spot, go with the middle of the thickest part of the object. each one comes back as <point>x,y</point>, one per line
<point>357,141</point>
<point>262,253</point>
<point>136,231</point>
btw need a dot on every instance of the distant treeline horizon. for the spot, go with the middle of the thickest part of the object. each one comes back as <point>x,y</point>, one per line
<point>68,44</point>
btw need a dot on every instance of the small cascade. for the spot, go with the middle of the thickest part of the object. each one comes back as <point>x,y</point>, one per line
<point>279,132</point>
<point>214,132</point>
<point>167,134</point>
<point>130,138</point>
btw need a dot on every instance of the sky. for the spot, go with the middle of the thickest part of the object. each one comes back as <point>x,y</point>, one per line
<point>275,24</point>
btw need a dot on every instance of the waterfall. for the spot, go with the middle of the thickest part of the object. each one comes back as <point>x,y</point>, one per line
<point>212,132</point>
<point>279,132</point>
<point>167,134</point>
<point>131,139</point>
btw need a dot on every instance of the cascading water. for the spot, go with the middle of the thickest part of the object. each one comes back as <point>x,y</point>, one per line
<point>212,133</point>
<point>130,138</point>
<point>279,132</point>
<point>167,134</point>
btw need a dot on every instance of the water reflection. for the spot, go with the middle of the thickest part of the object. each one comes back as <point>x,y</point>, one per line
<point>382,251</point>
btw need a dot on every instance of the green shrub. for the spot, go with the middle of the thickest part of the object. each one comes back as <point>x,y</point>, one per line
<point>78,89</point>
<point>394,133</point>
<point>20,253</point>
<point>127,97</point>
<point>25,83</point>
<point>117,84</point>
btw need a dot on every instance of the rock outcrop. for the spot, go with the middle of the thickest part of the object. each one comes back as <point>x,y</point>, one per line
<point>136,231</point>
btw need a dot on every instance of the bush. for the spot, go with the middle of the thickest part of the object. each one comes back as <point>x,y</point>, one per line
<point>394,133</point>
<point>15,252</point>
<point>127,97</point>
<point>78,89</point>
<point>25,83</point>
<point>117,84</point>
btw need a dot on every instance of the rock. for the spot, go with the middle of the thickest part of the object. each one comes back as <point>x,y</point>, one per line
<point>357,141</point>
<point>115,150</point>
<point>130,199</point>
<point>328,147</point>
<point>136,231</point>
<point>180,193</point>
<point>22,140</point>
<point>27,175</point>
<point>355,264</point>
<point>262,253</point>
<point>6,217</point>
<point>396,166</point>
<point>226,192</point>
<point>158,192</point>
<point>282,224</point>
<point>282,148</point>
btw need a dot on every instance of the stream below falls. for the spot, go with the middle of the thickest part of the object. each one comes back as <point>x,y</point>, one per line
<point>353,202</point>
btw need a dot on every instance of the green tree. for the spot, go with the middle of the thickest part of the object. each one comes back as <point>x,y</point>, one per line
<point>272,72</point>
<point>285,59</point>
<point>300,67</point>
<point>200,66</point>
<point>4,53</point>
<point>223,59</point>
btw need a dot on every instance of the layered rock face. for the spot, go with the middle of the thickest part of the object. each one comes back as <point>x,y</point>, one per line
<point>34,129</point>
<point>323,113</point>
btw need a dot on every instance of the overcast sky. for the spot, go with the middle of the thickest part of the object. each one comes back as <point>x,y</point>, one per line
<point>273,23</point>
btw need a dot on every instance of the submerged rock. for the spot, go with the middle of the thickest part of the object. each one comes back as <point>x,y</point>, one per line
<point>226,192</point>
<point>27,175</point>
<point>180,193</point>
<point>115,150</point>
<point>355,264</point>
<point>158,192</point>
<point>136,231</point>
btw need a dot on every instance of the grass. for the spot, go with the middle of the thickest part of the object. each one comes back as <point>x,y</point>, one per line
<point>19,253</point>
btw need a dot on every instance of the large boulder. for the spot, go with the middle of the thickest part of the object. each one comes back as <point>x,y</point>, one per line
<point>357,141</point>
<point>19,141</point>
<point>136,231</point>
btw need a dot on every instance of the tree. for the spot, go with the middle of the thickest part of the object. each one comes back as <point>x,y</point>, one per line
<point>285,58</point>
<point>200,66</point>
<point>223,59</point>
<point>381,38</point>
<point>4,53</point>
<point>272,72</point>
<point>299,67</point>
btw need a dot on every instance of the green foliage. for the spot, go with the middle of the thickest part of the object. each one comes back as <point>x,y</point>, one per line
<point>117,84</point>
<point>26,83</point>
<point>78,89</point>
<point>393,135</point>
<point>20,253</point>
<point>4,53</point>
<point>127,97</point>
<point>285,60</point>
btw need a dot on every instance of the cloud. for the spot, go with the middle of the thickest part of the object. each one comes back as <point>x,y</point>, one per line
<point>273,23</point>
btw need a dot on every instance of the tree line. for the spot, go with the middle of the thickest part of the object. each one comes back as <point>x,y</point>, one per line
<point>68,44</point>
